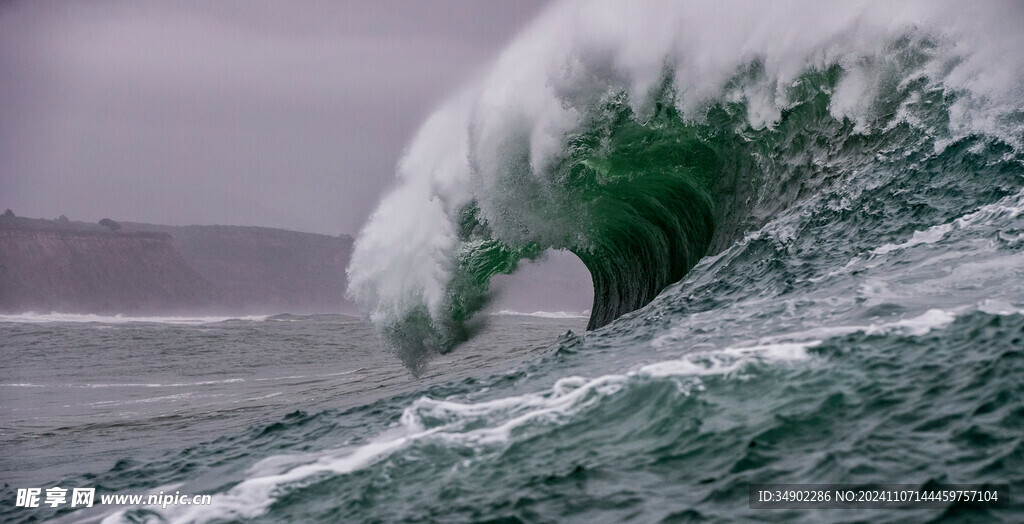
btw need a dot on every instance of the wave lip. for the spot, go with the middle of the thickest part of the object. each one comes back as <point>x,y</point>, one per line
<point>644,137</point>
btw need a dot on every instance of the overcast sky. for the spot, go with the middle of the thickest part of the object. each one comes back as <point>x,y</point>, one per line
<point>281,114</point>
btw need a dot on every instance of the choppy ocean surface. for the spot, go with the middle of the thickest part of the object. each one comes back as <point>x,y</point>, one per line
<point>86,397</point>
<point>902,363</point>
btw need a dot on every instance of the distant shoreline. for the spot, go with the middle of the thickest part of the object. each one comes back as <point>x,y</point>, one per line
<point>149,269</point>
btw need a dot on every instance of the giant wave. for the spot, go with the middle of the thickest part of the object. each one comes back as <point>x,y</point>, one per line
<point>642,137</point>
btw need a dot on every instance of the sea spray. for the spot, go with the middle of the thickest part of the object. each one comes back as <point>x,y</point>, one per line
<point>643,136</point>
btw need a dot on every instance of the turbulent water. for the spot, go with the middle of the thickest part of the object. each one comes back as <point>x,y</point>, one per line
<point>644,137</point>
<point>196,404</point>
<point>805,228</point>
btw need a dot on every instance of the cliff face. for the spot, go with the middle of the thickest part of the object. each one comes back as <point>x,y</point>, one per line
<point>79,267</point>
<point>265,270</point>
<point>96,271</point>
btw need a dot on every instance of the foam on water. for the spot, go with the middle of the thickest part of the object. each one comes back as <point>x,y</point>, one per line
<point>45,318</point>
<point>990,215</point>
<point>473,425</point>
<point>543,314</point>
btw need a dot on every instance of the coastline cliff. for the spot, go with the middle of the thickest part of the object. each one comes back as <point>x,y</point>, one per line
<point>266,270</point>
<point>94,271</point>
<point>78,267</point>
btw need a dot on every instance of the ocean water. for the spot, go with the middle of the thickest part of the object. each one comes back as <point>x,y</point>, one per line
<point>128,404</point>
<point>665,415</point>
<point>805,229</point>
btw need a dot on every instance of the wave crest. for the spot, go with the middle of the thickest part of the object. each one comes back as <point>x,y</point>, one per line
<point>643,136</point>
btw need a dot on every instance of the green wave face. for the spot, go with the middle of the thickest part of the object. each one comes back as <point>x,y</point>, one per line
<point>634,200</point>
<point>639,201</point>
<point>641,195</point>
<point>645,190</point>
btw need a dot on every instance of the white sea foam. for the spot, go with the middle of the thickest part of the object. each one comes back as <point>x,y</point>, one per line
<point>43,318</point>
<point>729,360</point>
<point>543,314</point>
<point>1005,209</point>
<point>916,326</point>
<point>132,384</point>
<point>778,345</point>
<point>475,425</point>
<point>999,307</point>
<point>928,236</point>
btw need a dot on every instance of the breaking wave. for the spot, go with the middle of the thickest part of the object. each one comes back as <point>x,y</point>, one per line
<point>644,136</point>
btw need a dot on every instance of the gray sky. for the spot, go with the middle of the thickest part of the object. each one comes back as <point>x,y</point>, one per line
<point>281,114</point>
